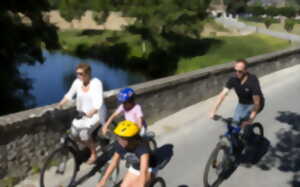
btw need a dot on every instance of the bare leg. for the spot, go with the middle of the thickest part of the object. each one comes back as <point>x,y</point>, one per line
<point>92,146</point>
<point>130,180</point>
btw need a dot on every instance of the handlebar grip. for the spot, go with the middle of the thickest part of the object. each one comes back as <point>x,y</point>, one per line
<point>79,115</point>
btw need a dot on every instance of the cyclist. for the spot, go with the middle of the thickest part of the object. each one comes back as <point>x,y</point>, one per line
<point>131,111</point>
<point>248,90</point>
<point>89,101</point>
<point>130,146</point>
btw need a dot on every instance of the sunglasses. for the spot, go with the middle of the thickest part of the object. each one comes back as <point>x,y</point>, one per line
<point>239,71</point>
<point>79,73</point>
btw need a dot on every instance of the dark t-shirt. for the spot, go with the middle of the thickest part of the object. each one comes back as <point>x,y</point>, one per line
<point>133,156</point>
<point>245,91</point>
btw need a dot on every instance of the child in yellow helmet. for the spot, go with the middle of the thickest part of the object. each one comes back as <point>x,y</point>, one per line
<point>130,145</point>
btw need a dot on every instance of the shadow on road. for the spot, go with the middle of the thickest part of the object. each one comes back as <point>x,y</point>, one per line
<point>285,155</point>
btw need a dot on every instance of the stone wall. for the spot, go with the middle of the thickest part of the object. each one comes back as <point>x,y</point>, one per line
<point>26,138</point>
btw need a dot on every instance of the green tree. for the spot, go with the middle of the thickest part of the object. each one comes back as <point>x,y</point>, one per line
<point>289,25</point>
<point>272,11</point>
<point>236,6</point>
<point>288,11</point>
<point>256,10</point>
<point>73,9</point>
<point>268,22</point>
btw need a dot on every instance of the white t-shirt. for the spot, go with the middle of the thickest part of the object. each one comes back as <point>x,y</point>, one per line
<point>87,101</point>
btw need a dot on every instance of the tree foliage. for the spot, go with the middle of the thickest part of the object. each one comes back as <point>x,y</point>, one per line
<point>236,6</point>
<point>154,19</point>
<point>288,11</point>
<point>256,10</point>
<point>268,22</point>
<point>23,34</point>
<point>289,25</point>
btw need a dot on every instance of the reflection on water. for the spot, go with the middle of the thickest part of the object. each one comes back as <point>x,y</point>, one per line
<point>52,79</point>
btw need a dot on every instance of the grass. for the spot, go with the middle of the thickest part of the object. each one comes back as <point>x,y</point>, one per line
<point>231,48</point>
<point>8,182</point>
<point>71,39</point>
<point>279,27</point>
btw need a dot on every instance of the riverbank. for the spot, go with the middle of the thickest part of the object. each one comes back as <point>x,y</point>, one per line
<point>127,50</point>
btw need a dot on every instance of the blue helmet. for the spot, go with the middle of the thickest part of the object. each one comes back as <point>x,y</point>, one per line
<point>125,94</point>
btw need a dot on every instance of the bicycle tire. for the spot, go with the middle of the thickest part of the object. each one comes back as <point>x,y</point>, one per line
<point>51,164</point>
<point>220,178</point>
<point>158,182</point>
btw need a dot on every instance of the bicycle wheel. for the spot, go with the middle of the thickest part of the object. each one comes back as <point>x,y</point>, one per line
<point>158,182</point>
<point>60,168</point>
<point>114,178</point>
<point>215,166</point>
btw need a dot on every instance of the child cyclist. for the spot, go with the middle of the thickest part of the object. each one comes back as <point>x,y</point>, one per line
<point>131,111</point>
<point>130,144</point>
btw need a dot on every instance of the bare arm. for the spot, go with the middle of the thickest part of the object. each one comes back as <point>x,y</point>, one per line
<point>140,122</point>
<point>69,94</point>
<point>219,101</point>
<point>108,122</point>
<point>256,108</point>
<point>144,166</point>
<point>114,162</point>
<point>64,101</point>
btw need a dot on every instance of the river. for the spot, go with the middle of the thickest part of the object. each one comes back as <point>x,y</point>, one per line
<point>52,79</point>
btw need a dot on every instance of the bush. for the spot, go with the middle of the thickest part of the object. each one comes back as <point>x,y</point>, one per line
<point>289,25</point>
<point>268,22</point>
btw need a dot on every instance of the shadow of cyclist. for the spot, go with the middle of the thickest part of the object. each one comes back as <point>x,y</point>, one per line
<point>162,155</point>
<point>285,155</point>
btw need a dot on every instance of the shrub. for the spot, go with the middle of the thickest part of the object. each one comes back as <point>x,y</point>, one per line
<point>289,25</point>
<point>268,22</point>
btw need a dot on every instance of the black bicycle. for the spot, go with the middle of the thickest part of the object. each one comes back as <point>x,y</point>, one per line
<point>228,153</point>
<point>63,164</point>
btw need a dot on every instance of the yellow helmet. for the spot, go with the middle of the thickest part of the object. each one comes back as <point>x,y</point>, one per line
<point>127,129</point>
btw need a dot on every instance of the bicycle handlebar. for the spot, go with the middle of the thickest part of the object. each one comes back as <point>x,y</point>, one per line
<point>221,118</point>
<point>79,115</point>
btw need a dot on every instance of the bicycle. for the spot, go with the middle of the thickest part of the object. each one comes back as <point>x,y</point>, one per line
<point>228,153</point>
<point>69,155</point>
<point>63,164</point>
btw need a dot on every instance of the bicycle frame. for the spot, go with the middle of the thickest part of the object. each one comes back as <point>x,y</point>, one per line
<point>232,133</point>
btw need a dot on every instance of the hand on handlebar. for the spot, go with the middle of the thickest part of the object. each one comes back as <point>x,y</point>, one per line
<point>79,115</point>
<point>104,130</point>
<point>211,115</point>
<point>245,123</point>
<point>101,183</point>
